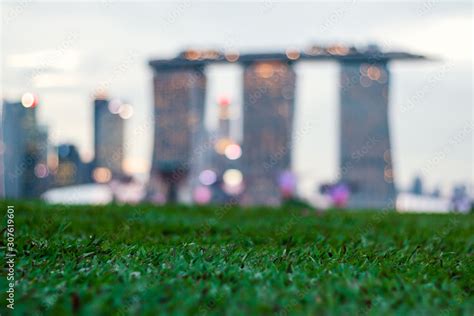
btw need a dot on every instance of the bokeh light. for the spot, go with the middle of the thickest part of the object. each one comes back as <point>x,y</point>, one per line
<point>339,50</point>
<point>41,171</point>
<point>233,190</point>
<point>224,101</point>
<point>233,151</point>
<point>388,175</point>
<point>192,54</point>
<point>373,73</point>
<point>232,177</point>
<point>313,51</point>
<point>292,54</point>
<point>126,111</point>
<point>339,195</point>
<point>221,145</point>
<point>207,177</point>
<point>115,106</point>
<point>102,175</point>
<point>28,100</point>
<point>264,70</point>
<point>232,56</point>
<point>202,195</point>
<point>287,183</point>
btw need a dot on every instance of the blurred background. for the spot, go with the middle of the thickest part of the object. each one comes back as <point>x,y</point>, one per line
<point>348,104</point>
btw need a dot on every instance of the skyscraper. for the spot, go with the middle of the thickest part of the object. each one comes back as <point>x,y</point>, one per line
<point>16,119</point>
<point>24,147</point>
<point>269,90</point>
<point>179,96</point>
<point>365,156</point>
<point>108,136</point>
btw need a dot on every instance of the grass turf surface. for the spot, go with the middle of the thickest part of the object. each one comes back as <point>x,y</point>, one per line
<point>143,259</point>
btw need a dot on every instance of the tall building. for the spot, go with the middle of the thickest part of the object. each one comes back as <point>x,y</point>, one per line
<point>24,150</point>
<point>269,91</point>
<point>365,156</point>
<point>108,136</point>
<point>179,96</point>
<point>269,88</point>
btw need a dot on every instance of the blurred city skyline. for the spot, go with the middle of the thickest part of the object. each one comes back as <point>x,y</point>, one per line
<point>75,48</point>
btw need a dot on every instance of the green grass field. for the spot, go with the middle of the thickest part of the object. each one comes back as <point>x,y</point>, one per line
<point>144,259</point>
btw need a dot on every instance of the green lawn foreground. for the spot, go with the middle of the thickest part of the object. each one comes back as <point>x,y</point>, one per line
<point>98,260</point>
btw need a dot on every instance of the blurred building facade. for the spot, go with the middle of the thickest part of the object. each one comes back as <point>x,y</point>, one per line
<point>269,91</point>
<point>365,151</point>
<point>108,137</point>
<point>24,151</point>
<point>366,173</point>
<point>179,98</point>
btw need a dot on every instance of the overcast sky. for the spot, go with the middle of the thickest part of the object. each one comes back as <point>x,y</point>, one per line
<point>63,51</point>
